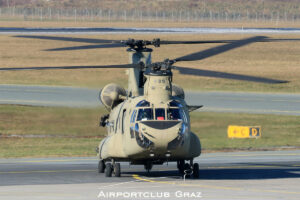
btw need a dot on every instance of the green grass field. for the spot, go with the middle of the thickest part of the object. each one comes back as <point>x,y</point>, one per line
<point>79,133</point>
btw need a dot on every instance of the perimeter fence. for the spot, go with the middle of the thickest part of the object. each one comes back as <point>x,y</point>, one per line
<point>107,15</point>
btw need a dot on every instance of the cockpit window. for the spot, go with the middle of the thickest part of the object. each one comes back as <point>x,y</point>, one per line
<point>145,114</point>
<point>175,104</point>
<point>143,103</point>
<point>174,114</point>
<point>160,113</point>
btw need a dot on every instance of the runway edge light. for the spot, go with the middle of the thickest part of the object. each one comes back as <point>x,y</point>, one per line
<point>243,131</point>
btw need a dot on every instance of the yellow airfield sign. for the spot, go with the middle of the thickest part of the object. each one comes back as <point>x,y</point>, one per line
<point>244,131</point>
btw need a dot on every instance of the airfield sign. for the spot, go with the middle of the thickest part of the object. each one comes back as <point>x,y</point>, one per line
<point>244,131</point>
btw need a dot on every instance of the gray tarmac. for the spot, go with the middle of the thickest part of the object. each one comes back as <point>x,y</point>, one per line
<point>107,30</point>
<point>261,103</point>
<point>232,175</point>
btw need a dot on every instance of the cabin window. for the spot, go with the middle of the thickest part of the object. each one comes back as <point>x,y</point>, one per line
<point>145,114</point>
<point>110,126</point>
<point>160,114</point>
<point>184,116</point>
<point>133,116</point>
<point>175,104</point>
<point>123,120</point>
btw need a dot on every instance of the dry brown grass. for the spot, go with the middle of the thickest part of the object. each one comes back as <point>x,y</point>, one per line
<point>279,60</point>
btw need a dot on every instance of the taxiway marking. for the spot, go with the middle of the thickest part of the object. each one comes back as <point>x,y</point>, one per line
<point>204,156</point>
<point>137,177</point>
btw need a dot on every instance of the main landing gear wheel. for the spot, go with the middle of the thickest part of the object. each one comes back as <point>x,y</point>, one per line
<point>108,169</point>
<point>111,168</point>
<point>188,170</point>
<point>196,170</point>
<point>101,166</point>
<point>117,169</point>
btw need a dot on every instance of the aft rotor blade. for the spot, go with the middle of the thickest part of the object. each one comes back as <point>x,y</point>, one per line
<point>99,46</point>
<point>225,41</point>
<point>219,49</point>
<point>281,40</point>
<point>216,74</point>
<point>68,39</point>
<point>196,42</point>
<point>70,67</point>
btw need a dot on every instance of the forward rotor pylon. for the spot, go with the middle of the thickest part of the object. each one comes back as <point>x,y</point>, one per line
<point>140,57</point>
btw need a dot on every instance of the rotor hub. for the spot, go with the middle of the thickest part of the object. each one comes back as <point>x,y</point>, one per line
<point>140,44</point>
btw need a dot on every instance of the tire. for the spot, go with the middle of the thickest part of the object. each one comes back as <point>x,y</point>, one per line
<point>101,166</point>
<point>148,166</point>
<point>196,170</point>
<point>186,166</point>
<point>117,170</point>
<point>108,170</point>
<point>187,170</point>
<point>180,166</point>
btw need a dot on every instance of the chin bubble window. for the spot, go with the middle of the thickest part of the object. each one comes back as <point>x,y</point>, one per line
<point>160,114</point>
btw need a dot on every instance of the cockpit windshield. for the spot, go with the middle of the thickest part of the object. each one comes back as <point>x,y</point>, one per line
<point>175,104</point>
<point>174,114</point>
<point>145,114</point>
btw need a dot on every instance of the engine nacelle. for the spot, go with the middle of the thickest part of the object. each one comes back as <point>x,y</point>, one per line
<point>111,95</point>
<point>177,91</point>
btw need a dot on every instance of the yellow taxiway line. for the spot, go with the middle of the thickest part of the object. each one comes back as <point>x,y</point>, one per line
<point>137,177</point>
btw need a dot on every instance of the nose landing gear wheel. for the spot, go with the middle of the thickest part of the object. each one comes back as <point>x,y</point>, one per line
<point>108,170</point>
<point>101,166</point>
<point>180,166</point>
<point>148,166</point>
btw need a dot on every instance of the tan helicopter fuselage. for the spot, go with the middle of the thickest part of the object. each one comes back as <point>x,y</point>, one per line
<point>154,126</point>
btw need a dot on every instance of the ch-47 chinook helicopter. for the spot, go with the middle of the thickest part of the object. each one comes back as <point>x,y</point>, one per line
<point>149,122</point>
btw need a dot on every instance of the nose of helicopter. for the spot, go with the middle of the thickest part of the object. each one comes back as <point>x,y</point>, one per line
<point>161,133</point>
<point>160,125</point>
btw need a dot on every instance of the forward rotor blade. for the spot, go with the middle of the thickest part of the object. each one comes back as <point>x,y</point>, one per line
<point>70,67</point>
<point>215,74</point>
<point>219,49</point>
<point>99,46</point>
<point>68,39</point>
